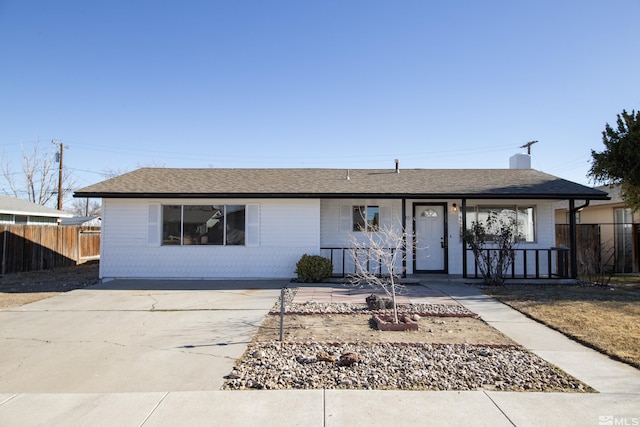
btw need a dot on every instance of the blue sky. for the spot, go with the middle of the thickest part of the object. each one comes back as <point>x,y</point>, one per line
<point>345,84</point>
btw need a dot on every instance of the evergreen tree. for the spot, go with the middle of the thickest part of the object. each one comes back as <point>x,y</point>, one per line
<point>619,163</point>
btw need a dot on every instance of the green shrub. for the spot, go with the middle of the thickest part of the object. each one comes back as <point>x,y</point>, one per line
<point>313,268</point>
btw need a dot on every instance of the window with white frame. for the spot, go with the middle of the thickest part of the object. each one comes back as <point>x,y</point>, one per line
<point>203,225</point>
<point>366,218</point>
<point>523,215</point>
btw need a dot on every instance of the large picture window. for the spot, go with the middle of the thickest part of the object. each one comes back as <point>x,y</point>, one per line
<point>203,224</point>
<point>366,218</point>
<point>524,217</point>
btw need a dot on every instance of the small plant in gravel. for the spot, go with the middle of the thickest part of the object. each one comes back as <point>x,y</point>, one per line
<point>313,269</point>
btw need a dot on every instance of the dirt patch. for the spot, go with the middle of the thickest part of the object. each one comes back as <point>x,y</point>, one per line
<point>359,328</point>
<point>23,288</point>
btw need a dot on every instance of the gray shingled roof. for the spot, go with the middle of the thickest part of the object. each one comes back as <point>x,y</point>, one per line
<point>15,206</point>
<point>325,183</point>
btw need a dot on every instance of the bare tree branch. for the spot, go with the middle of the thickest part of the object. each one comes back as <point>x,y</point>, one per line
<point>112,173</point>
<point>377,257</point>
<point>85,207</point>
<point>39,177</point>
<point>493,243</point>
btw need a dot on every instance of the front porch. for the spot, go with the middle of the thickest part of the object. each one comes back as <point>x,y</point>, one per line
<point>529,263</point>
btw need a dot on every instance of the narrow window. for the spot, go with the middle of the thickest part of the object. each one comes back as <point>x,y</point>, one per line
<point>171,225</point>
<point>366,218</point>
<point>235,220</point>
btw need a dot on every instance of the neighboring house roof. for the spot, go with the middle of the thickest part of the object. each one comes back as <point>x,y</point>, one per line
<point>613,191</point>
<point>14,206</point>
<point>332,183</point>
<point>80,220</point>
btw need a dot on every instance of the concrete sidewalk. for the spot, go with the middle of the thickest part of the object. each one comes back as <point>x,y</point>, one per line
<point>318,408</point>
<point>590,366</point>
<point>191,401</point>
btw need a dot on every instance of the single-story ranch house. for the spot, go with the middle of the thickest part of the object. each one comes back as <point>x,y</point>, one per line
<point>257,223</point>
<point>23,212</point>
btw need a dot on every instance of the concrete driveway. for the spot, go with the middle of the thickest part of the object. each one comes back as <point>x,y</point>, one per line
<point>132,336</point>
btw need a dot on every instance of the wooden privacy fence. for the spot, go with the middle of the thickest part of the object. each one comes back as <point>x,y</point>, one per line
<point>41,247</point>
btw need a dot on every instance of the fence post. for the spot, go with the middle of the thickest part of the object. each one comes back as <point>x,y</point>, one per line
<point>79,244</point>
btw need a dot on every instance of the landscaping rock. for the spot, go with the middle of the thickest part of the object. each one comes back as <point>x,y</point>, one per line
<point>409,366</point>
<point>323,356</point>
<point>376,302</point>
<point>348,359</point>
<point>386,323</point>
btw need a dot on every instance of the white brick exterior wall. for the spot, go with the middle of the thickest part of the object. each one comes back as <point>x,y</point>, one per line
<point>287,229</point>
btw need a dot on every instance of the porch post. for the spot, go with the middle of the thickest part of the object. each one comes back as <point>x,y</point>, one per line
<point>404,238</point>
<point>573,242</point>
<point>464,237</point>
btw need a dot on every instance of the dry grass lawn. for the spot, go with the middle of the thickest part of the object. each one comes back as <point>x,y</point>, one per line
<point>605,318</point>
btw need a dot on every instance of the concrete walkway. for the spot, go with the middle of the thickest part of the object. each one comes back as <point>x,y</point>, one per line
<point>154,353</point>
<point>414,294</point>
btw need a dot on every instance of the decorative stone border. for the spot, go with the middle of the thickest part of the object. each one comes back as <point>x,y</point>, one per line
<point>384,322</point>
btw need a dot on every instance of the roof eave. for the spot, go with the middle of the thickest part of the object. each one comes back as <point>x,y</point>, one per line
<point>537,196</point>
<point>33,213</point>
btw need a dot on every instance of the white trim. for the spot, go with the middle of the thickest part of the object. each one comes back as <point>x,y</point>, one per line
<point>154,225</point>
<point>345,219</point>
<point>252,225</point>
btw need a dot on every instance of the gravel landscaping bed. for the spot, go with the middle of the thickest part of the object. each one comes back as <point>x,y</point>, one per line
<point>312,307</point>
<point>400,366</point>
<point>311,364</point>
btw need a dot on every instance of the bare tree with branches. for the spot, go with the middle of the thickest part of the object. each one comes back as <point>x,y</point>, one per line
<point>377,258</point>
<point>493,243</point>
<point>38,179</point>
<point>86,207</point>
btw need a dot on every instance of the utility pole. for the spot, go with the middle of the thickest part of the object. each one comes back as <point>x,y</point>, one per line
<point>61,147</point>
<point>528,146</point>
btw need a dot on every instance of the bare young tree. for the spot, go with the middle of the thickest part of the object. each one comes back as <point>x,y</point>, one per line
<point>85,207</point>
<point>38,179</point>
<point>377,258</point>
